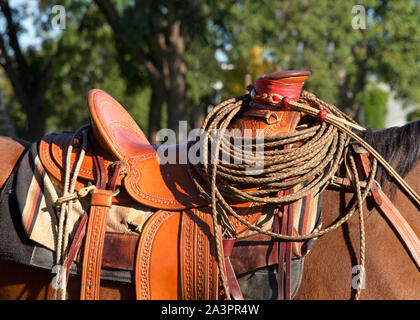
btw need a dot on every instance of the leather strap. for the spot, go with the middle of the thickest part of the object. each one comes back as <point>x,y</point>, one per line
<point>92,258</point>
<point>76,243</point>
<point>391,213</point>
<point>100,204</point>
<point>285,251</point>
<point>198,265</point>
<point>401,226</point>
<point>288,275</point>
<point>284,271</point>
<point>235,290</point>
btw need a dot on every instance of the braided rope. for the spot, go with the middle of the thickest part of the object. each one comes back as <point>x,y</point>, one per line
<point>66,209</point>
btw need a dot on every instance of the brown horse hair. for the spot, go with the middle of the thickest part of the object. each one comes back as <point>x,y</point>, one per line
<point>399,146</point>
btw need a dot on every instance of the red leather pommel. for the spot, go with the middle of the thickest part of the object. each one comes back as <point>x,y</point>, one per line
<point>284,83</point>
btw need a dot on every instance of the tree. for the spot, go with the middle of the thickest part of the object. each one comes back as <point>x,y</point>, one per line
<point>154,33</point>
<point>29,75</point>
<point>90,59</point>
<point>31,70</point>
<point>374,102</point>
<point>328,38</point>
<point>80,57</point>
<point>322,36</point>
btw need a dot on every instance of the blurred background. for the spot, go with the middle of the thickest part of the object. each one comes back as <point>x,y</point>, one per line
<point>167,61</point>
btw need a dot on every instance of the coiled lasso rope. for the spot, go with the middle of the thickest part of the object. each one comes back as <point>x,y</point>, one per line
<point>322,148</point>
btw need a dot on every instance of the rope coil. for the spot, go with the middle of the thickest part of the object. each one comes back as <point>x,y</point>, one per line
<point>323,147</point>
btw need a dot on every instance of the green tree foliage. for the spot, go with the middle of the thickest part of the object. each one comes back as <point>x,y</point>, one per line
<point>374,104</point>
<point>81,57</point>
<point>320,36</point>
<point>91,60</point>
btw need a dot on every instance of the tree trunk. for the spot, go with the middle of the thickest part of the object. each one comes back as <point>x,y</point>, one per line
<point>176,87</point>
<point>155,112</point>
<point>163,60</point>
<point>36,116</point>
<point>177,109</point>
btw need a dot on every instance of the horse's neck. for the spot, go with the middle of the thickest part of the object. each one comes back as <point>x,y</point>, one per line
<point>390,271</point>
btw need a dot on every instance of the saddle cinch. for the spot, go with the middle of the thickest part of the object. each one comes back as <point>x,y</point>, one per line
<point>175,255</point>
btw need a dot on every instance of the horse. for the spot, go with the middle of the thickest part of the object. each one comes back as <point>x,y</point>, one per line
<point>330,268</point>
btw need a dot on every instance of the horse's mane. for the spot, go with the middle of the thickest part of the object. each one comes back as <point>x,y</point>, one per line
<point>399,146</point>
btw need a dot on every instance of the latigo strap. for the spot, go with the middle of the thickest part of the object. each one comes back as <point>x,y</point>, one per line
<point>92,258</point>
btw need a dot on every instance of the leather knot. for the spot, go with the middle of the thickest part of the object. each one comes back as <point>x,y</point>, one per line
<point>285,102</point>
<point>322,115</point>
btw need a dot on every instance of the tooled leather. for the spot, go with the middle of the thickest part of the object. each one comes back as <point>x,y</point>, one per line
<point>198,257</point>
<point>92,257</point>
<point>196,266</point>
<point>52,152</point>
<point>119,134</point>
<point>102,199</point>
<point>144,254</point>
<point>197,251</point>
<point>250,212</point>
<point>107,115</point>
<point>287,122</point>
<point>159,194</point>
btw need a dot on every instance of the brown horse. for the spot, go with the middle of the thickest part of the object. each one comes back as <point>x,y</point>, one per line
<point>330,267</point>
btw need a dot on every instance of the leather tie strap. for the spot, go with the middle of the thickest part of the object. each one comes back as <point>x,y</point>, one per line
<point>100,204</point>
<point>285,255</point>
<point>235,290</point>
<point>401,226</point>
<point>76,244</point>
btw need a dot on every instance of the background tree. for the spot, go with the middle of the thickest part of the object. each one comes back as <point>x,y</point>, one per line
<point>80,57</point>
<point>321,36</point>
<point>155,33</point>
<point>327,38</point>
<point>29,73</point>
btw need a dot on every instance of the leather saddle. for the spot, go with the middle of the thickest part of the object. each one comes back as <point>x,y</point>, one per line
<point>176,255</point>
<point>165,186</point>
